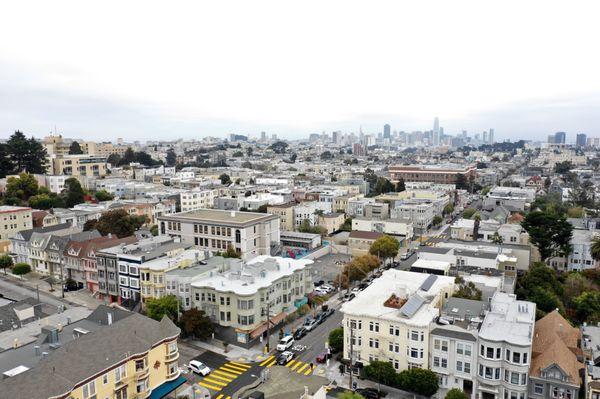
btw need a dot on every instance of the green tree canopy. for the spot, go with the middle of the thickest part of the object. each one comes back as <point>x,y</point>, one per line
<point>225,179</point>
<point>385,247</point>
<point>75,148</point>
<point>550,233</point>
<point>195,323</point>
<point>21,187</point>
<point>156,308</point>
<point>21,268</point>
<point>26,155</point>
<point>382,372</point>
<point>469,212</point>
<point>171,157</point>
<point>117,222</point>
<point>72,193</point>
<point>456,393</point>
<point>336,340</point>
<point>103,195</point>
<point>5,262</point>
<point>46,201</point>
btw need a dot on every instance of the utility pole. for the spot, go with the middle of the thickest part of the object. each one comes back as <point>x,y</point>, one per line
<point>268,325</point>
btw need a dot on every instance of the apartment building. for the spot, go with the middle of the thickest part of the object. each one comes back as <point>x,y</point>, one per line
<point>78,165</point>
<point>249,233</point>
<point>580,257</point>
<point>310,210</point>
<point>359,242</point>
<point>516,199</point>
<point>200,198</point>
<point>109,354</point>
<point>14,219</point>
<point>153,273</point>
<point>400,228</point>
<point>242,297</point>
<point>504,348</point>
<point>19,244</point>
<point>418,212</point>
<point>390,319</point>
<point>590,343</point>
<point>285,213</point>
<point>443,174</point>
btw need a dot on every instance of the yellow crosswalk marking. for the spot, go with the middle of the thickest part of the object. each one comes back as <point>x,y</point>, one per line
<point>266,361</point>
<point>230,370</point>
<point>303,367</point>
<point>220,396</point>
<point>308,371</point>
<point>291,363</point>
<point>215,381</point>
<point>245,365</point>
<point>229,397</point>
<point>271,363</point>
<point>209,386</point>
<point>233,366</point>
<point>298,363</point>
<point>221,377</point>
<point>219,372</point>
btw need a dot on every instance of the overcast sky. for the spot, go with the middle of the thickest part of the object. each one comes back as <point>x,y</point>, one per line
<point>158,70</point>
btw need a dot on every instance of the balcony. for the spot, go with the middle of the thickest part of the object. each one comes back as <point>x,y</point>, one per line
<point>142,372</point>
<point>170,357</point>
<point>171,376</point>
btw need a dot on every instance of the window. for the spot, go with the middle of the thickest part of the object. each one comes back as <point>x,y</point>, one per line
<point>459,366</point>
<point>89,390</point>
<point>516,357</point>
<point>105,379</point>
<point>373,343</point>
<point>463,349</point>
<point>467,368</point>
<point>142,386</point>
<point>436,361</point>
<point>394,347</point>
<point>373,326</point>
<point>415,353</point>
<point>440,345</point>
<point>394,331</point>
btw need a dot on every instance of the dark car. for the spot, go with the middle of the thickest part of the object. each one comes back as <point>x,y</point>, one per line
<point>322,357</point>
<point>300,332</point>
<point>368,393</point>
<point>320,318</point>
<point>328,312</point>
<point>362,286</point>
<point>285,357</point>
<point>319,283</point>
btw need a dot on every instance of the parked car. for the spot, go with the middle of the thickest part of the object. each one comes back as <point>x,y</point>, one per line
<point>320,291</point>
<point>355,290</point>
<point>285,357</point>
<point>349,296</point>
<point>322,357</point>
<point>199,368</point>
<point>285,343</point>
<point>328,312</point>
<point>309,325</point>
<point>407,255</point>
<point>300,333</point>
<point>328,287</point>
<point>320,318</point>
<point>362,286</point>
<point>368,393</point>
<point>319,283</point>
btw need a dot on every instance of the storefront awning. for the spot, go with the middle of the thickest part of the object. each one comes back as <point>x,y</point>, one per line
<point>263,327</point>
<point>163,390</point>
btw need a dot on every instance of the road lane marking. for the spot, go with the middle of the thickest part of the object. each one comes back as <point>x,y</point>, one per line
<point>234,367</point>
<point>298,363</point>
<point>302,368</point>
<point>271,363</point>
<point>215,382</point>
<point>221,378</point>
<point>230,370</point>
<point>308,371</point>
<point>205,385</point>
<point>291,363</point>
<point>219,372</point>
<point>245,365</point>
<point>266,361</point>
<point>220,396</point>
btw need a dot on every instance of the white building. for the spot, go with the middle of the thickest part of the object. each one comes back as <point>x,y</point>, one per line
<point>199,199</point>
<point>390,319</point>
<point>396,227</point>
<point>419,213</point>
<point>308,211</point>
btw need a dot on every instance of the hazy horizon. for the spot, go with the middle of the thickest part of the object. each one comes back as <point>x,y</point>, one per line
<point>140,71</point>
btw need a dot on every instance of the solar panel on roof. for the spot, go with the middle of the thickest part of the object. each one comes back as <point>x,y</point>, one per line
<point>412,305</point>
<point>428,283</point>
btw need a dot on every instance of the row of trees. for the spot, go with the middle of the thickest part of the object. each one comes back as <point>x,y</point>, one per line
<point>420,381</point>
<point>130,156</point>
<point>20,154</point>
<point>117,222</point>
<point>193,322</point>
<point>24,190</point>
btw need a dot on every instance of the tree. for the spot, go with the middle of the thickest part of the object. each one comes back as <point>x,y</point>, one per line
<point>347,226</point>
<point>46,201</point>
<point>5,262</point>
<point>306,227</point>
<point>238,154</point>
<point>587,307</point>
<point>476,223</point>
<point>145,159</point>
<point>26,155</point>
<point>6,166</point>
<point>563,167</point>
<point>195,323</point>
<point>75,148</point>
<point>21,268</point>
<point>247,165</point>
<point>461,182</point>
<point>385,247</point>
<point>420,381</point>
<point>103,195</point>
<point>456,393</point>
<point>171,157</point>
<point>448,209</point>
<point>154,230</point>
<point>262,208</point>
<point>466,290</point>
<point>400,186</point>
<point>249,151</point>
<point>595,249</point>
<point>128,157</point>
<point>114,159</point>
<point>119,223</point>
<point>21,187</point>
<point>225,179</point>
<point>279,147</point>
<point>381,372</point>
<point>336,339</point>
<point>383,185</point>
<point>550,233</point>
<point>326,155</point>
<point>72,192</point>
<point>469,212</point>
<point>230,252</point>
<point>157,308</point>
<point>437,220</point>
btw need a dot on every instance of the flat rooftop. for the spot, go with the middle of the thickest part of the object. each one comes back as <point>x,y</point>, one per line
<point>219,216</point>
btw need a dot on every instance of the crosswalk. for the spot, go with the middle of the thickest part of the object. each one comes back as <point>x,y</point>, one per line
<point>432,244</point>
<point>221,377</point>
<point>294,365</point>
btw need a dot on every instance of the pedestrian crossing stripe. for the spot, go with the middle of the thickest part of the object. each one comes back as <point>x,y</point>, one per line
<point>296,365</point>
<point>231,370</point>
<point>244,365</point>
<point>219,372</point>
<point>266,361</point>
<point>303,367</point>
<point>235,367</point>
<point>214,381</point>
<point>308,371</point>
<point>220,396</point>
<point>221,378</point>
<point>271,363</point>
<point>209,386</point>
<point>291,363</point>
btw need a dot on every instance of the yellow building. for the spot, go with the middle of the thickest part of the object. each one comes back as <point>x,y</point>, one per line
<point>285,213</point>
<point>78,165</point>
<point>131,357</point>
<point>14,219</point>
<point>331,221</point>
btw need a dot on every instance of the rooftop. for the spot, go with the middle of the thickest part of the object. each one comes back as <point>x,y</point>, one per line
<point>10,208</point>
<point>509,320</point>
<point>220,216</point>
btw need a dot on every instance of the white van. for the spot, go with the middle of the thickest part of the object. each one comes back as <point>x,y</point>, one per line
<point>199,367</point>
<point>285,343</point>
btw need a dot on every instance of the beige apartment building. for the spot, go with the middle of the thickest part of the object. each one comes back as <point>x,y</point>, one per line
<point>285,213</point>
<point>78,165</point>
<point>14,219</point>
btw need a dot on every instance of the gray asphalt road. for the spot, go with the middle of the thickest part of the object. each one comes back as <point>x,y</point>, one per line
<point>6,287</point>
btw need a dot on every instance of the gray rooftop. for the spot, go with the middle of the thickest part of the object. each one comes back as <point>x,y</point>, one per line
<point>218,216</point>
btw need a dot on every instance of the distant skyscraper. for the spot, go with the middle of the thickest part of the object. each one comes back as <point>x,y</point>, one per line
<point>274,137</point>
<point>263,136</point>
<point>335,136</point>
<point>436,131</point>
<point>386,131</point>
<point>485,136</point>
<point>491,136</point>
<point>581,140</point>
<point>551,138</point>
<point>560,137</point>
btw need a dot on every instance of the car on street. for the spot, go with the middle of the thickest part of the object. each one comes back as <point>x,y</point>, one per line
<point>199,368</point>
<point>322,357</point>
<point>285,343</point>
<point>310,324</point>
<point>328,312</point>
<point>299,333</point>
<point>369,393</point>
<point>328,287</point>
<point>320,291</point>
<point>285,357</point>
<point>407,255</point>
<point>355,290</point>
<point>362,286</point>
<point>348,296</point>
<point>319,283</point>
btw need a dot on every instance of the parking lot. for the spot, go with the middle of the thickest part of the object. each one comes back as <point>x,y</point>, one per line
<point>329,266</point>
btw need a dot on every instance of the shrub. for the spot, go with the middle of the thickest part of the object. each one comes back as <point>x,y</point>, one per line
<point>21,268</point>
